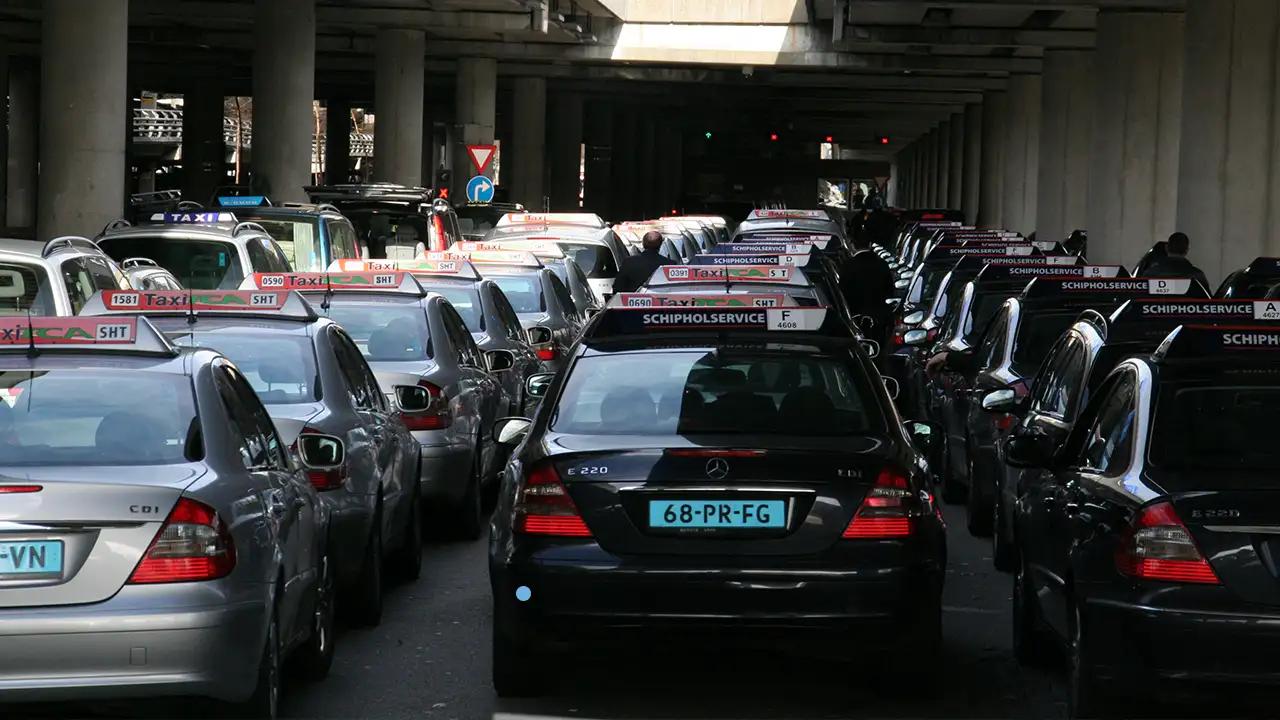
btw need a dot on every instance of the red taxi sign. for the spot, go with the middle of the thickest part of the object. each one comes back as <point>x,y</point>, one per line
<point>583,219</point>
<point>783,214</point>
<point>41,331</point>
<point>781,274</point>
<point>184,300</point>
<point>322,282</point>
<point>435,263</point>
<point>753,300</point>
<point>519,258</point>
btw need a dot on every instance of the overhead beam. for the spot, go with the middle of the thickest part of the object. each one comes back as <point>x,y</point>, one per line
<point>861,35</point>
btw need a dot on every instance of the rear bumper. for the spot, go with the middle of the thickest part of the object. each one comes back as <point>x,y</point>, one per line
<point>161,640</point>
<point>584,590</point>
<point>1210,643</point>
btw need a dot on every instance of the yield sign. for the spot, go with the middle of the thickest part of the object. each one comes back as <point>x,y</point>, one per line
<point>481,156</point>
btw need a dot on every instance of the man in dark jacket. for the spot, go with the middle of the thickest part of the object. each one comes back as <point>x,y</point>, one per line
<point>1175,262</point>
<point>635,270</point>
<point>866,282</point>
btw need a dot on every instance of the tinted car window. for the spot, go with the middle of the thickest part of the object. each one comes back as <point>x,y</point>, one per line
<point>385,331</point>
<point>696,392</point>
<point>23,288</point>
<point>96,417</point>
<point>1222,422</point>
<point>251,443</point>
<point>1109,441</point>
<point>1037,332</point>
<point>524,292</point>
<point>562,296</point>
<point>280,367</point>
<point>198,264</point>
<point>991,351</point>
<point>507,315</point>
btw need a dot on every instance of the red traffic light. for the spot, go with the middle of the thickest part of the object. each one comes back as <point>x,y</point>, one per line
<point>773,137</point>
<point>830,138</point>
<point>884,139</point>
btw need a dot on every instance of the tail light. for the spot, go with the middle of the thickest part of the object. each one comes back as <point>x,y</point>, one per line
<point>1158,546</point>
<point>546,352</point>
<point>440,241</point>
<point>19,489</point>
<point>192,545</point>
<point>932,334</point>
<point>545,508</point>
<point>323,480</point>
<point>887,511</point>
<point>424,406</point>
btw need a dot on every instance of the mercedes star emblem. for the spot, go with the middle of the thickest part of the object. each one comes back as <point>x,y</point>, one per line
<point>717,468</point>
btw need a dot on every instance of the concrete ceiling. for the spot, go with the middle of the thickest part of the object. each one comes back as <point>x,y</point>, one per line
<point>897,66</point>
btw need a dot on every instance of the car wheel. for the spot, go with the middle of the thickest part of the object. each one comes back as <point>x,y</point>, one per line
<point>977,507</point>
<point>1086,696</point>
<point>366,600</point>
<point>470,518</point>
<point>316,657</point>
<point>409,557</point>
<point>1002,551</point>
<point>517,671</point>
<point>264,704</point>
<point>1030,646</point>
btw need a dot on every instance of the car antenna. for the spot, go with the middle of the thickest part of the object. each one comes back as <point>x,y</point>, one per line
<point>328,294</point>
<point>32,351</point>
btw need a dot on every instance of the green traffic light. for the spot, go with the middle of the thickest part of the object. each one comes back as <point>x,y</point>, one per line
<point>708,134</point>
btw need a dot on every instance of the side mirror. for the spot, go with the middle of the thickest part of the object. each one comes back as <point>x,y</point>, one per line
<point>321,452</point>
<point>1027,450</point>
<point>891,385</point>
<point>915,337</point>
<point>864,322</point>
<point>500,360</point>
<point>511,430</point>
<point>926,436</point>
<point>538,385</point>
<point>539,335</point>
<point>413,398</point>
<point>901,284</point>
<point>1003,400</point>
<point>914,318</point>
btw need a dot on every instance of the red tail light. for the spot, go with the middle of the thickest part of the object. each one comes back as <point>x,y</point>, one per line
<point>886,512</point>
<point>546,352</point>
<point>1005,421</point>
<point>19,489</point>
<point>711,453</point>
<point>440,241</point>
<point>424,406</point>
<point>1158,546</point>
<point>545,508</point>
<point>192,545</point>
<point>323,480</point>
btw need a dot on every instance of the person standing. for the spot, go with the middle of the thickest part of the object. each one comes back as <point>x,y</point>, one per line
<point>1175,262</point>
<point>635,270</point>
<point>866,283</point>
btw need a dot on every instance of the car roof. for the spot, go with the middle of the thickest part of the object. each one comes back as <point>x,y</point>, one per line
<point>713,340</point>
<point>184,362</point>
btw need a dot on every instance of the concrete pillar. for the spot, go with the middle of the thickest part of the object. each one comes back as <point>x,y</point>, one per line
<point>991,184</point>
<point>1066,138</point>
<point>955,166</point>
<point>204,147</point>
<point>475,112</point>
<point>337,140</point>
<point>1229,178</point>
<point>597,179</point>
<point>1022,153</point>
<point>20,170</point>
<point>972,183</point>
<point>527,161</point>
<point>669,176</point>
<point>399,71</point>
<point>646,165</point>
<point>83,101</point>
<point>1137,123</point>
<point>284,78</point>
<point>920,156</point>
<point>565,158</point>
<point>625,161</point>
<point>943,193</point>
<point>931,169</point>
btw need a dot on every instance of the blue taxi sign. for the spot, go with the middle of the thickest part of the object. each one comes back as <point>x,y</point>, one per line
<point>480,189</point>
<point>242,200</point>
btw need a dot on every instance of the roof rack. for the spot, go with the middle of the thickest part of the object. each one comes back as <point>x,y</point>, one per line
<point>620,321</point>
<point>247,227</point>
<point>1198,342</point>
<point>1057,287</point>
<point>69,242</point>
<point>117,224</point>
<point>397,283</point>
<point>751,300</point>
<point>434,264</point>
<point>276,305</point>
<point>790,259</point>
<point>39,334</point>
<point>729,275</point>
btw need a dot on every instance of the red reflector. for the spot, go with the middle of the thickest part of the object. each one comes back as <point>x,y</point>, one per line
<point>878,528</point>
<point>1004,422</point>
<point>327,479</point>
<point>15,489</point>
<point>546,353</point>
<point>549,525</point>
<point>707,453</point>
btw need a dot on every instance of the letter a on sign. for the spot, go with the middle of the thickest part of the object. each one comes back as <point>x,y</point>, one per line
<point>481,156</point>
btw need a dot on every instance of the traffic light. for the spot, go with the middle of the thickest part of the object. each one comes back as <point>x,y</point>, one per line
<point>707,134</point>
<point>830,138</point>
<point>884,139</point>
<point>773,137</point>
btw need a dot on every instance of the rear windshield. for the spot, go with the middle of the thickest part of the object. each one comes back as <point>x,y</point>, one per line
<point>464,298</point>
<point>397,235</point>
<point>697,392</point>
<point>595,260</point>
<point>1037,332</point>
<point>281,367</point>
<point>385,331</point>
<point>96,417</point>
<point>524,292</point>
<point>23,288</point>
<point>1222,423</point>
<point>298,239</point>
<point>197,264</point>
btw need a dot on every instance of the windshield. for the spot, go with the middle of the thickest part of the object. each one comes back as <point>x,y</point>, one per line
<point>197,264</point>
<point>23,288</point>
<point>96,417</point>
<point>280,367</point>
<point>595,260</point>
<point>297,238</point>
<point>1220,423</point>
<point>385,331</point>
<point>524,292</point>
<point>477,220</point>
<point>464,298</point>
<point>697,392</point>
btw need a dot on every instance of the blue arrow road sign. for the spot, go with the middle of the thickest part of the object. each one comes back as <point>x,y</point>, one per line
<point>480,189</point>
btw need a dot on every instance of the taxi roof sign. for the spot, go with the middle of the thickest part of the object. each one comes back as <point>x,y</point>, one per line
<point>312,282</point>
<point>945,253</point>
<point>539,246</point>
<point>996,273</point>
<point>1050,287</point>
<point>194,218</point>
<point>584,219</point>
<point>278,304</point>
<point>820,240</point>
<point>1141,317</point>
<point>517,258</point>
<point>83,334</point>
<point>728,275</point>
<point>617,321</point>
<point>968,262</point>
<point>435,264</point>
<point>752,300</point>
<point>1196,342</point>
<point>753,248</point>
<point>787,214</point>
<point>788,259</point>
